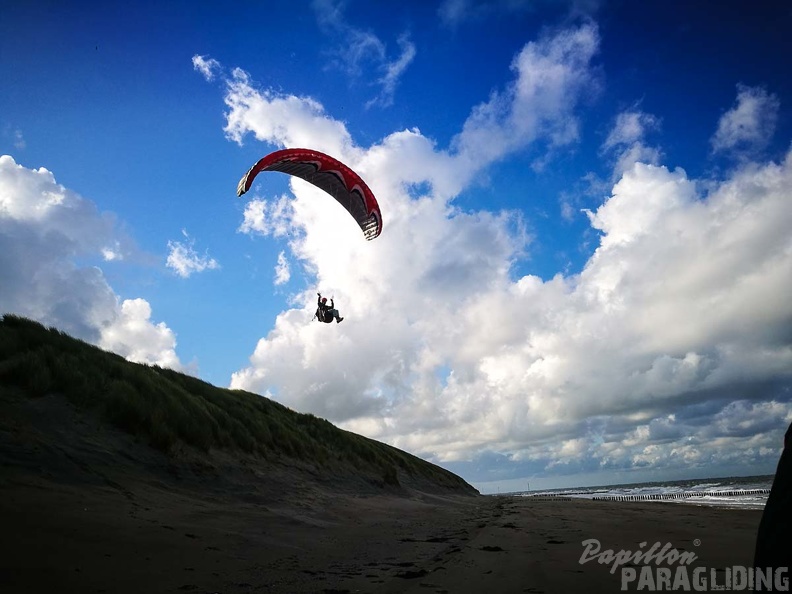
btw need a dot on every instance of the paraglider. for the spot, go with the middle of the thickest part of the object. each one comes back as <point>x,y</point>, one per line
<point>327,313</point>
<point>335,178</point>
<point>328,174</point>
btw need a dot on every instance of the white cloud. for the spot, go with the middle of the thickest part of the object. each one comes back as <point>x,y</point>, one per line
<point>282,273</point>
<point>185,261</point>
<point>393,72</point>
<point>681,310</point>
<point>134,336</point>
<point>551,77</point>
<point>208,67</point>
<point>263,217</point>
<point>626,141</point>
<point>284,120</point>
<point>44,229</point>
<point>630,127</point>
<point>750,124</point>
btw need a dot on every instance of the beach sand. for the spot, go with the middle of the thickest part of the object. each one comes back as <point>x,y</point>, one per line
<point>136,539</point>
<point>86,509</point>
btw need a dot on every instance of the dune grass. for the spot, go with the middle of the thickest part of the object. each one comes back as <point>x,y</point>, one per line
<point>167,408</point>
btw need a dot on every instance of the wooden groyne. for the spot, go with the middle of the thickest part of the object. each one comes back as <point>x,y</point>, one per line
<point>681,495</point>
<point>649,497</point>
<point>550,497</point>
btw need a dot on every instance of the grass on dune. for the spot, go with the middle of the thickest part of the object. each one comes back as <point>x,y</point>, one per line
<point>166,408</point>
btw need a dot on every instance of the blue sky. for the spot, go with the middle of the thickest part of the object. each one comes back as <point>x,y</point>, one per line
<point>584,275</point>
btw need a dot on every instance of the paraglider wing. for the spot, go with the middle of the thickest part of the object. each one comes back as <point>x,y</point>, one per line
<point>328,174</point>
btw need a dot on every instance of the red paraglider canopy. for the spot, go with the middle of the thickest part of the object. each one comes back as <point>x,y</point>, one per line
<point>328,174</point>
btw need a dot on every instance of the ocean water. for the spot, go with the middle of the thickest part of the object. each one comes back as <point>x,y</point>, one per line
<point>744,492</point>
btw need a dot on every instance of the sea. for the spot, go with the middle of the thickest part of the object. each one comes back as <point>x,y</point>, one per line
<point>744,492</point>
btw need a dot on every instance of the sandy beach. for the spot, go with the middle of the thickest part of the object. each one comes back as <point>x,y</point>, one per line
<point>85,508</point>
<point>61,538</point>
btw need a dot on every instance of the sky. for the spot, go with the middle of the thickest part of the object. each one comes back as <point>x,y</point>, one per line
<point>585,270</point>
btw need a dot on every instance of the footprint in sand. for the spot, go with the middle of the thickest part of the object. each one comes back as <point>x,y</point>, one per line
<point>411,575</point>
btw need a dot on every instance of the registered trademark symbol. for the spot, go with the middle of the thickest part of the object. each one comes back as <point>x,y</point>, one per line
<point>696,542</point>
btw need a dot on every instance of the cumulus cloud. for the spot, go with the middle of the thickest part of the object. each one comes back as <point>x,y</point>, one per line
<point>45,229</point>
<point>134,336</point>
<point>750,124</point>
<point>284,120</point>
<point>674,332</point>
<point>185,261</point>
